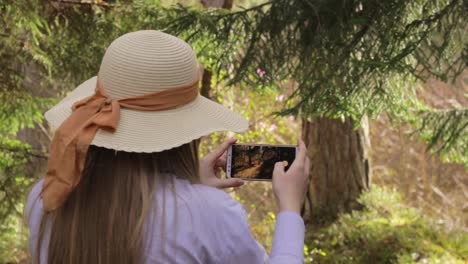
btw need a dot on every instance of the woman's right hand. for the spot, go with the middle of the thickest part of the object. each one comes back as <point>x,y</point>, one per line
<point>291,186</point>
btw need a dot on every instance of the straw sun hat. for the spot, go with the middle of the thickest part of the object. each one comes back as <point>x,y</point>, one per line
<point>141,63</point>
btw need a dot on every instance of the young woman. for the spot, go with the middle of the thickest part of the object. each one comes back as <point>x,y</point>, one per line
<point>124,182</point>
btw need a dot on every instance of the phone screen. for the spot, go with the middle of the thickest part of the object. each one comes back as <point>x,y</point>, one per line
<point>256,162</point>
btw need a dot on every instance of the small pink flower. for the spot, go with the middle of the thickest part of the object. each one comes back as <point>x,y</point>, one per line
<point>291,117</point>
<point>272,127</point>
<point>262,124</point>
<point>261,72</point>
<point>280,97</point>
<point>359,8</point>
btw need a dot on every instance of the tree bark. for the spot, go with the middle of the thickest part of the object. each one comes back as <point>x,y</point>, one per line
<point>339,170</point>
<point>208,74</point>
<point>206,83</point>
<point>228,4</point>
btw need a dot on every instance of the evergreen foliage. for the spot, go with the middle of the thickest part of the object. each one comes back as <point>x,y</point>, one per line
<point>347,58</point>
<point>20,108</point>
<point>446,132</point>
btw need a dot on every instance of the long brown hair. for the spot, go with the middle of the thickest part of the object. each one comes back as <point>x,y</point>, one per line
<point>103,219</point>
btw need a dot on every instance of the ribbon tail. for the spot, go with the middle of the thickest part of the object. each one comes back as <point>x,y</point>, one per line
<point>58,182</point>
<point>68,151</point>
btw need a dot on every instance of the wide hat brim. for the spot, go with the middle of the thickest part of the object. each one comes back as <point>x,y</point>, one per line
<point>153,131</point>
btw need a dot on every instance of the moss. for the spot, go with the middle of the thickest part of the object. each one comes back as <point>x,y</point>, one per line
<point>386,231</point>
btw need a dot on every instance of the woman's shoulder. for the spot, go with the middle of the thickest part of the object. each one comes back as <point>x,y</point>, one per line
<point>212,197</point>
<point>216,216</point>
<point>34,212</point>
<point>223,228</point>
<point>211,200</point>
<point>211,191</point>
<point>34,201</point>
<point>210,205</point>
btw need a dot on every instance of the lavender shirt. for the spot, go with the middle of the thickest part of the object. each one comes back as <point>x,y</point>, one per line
<point>201,225</point>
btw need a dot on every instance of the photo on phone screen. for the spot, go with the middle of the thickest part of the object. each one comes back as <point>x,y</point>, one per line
<point>256,162</point>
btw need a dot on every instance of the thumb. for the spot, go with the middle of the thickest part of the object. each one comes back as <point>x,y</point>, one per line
<point>228,183</point>
<point>279,168</point>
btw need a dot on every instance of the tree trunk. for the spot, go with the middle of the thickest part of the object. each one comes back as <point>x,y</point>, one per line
<point>339,170</point>
<point>205,89</point>
<point>208,74</point>
<point>228,4</point>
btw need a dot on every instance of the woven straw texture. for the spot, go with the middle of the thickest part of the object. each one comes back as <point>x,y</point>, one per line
<point>144,62</point>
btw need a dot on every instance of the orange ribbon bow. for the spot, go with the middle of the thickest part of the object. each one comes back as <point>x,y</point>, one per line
<point>72,139</point>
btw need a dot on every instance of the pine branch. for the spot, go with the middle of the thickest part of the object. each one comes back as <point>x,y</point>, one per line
<point>23,152</point>
<point>445,130</point>
<point>246,10</point>
<point>341,56</point>
<point>71,2</point>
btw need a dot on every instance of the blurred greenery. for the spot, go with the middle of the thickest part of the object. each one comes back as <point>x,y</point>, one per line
<point>20,108</point>
<point>386,231</point>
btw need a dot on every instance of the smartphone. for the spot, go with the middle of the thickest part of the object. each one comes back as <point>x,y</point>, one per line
<point>257,161</point>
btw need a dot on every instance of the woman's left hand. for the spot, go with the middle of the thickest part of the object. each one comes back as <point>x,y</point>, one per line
<point>212,164</point>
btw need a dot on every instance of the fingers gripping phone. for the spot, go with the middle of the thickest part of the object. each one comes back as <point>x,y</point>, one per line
<point>257,161</point>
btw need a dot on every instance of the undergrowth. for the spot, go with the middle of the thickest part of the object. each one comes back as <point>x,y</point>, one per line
<point>386,231</point>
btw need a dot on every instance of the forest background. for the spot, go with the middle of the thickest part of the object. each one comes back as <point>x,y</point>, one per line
<point>412,208</point>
